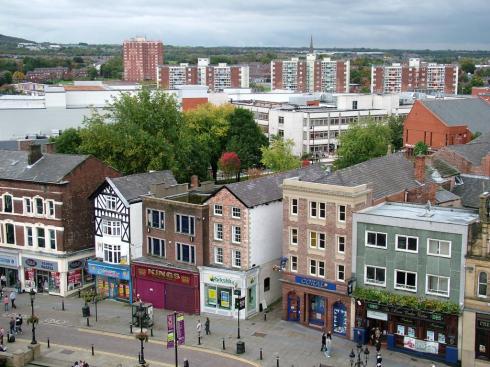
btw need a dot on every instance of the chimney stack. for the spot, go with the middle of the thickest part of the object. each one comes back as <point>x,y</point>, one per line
<point>419,167</point>
<point>34,154</point>
<point>194,182</point>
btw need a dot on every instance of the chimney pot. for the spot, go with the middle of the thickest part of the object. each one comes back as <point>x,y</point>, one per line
<point>194,182</point>
<point>34,154</point>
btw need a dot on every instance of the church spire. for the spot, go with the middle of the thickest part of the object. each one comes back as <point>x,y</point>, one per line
<point>311,44</point>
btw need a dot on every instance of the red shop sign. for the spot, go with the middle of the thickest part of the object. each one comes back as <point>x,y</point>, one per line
<point>168,275</point>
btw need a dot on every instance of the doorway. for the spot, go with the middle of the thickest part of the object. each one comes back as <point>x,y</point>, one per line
<point>42,281</point>
<point>293,307</point>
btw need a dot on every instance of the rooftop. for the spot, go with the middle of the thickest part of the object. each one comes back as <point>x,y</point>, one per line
<point>133,186</point>
<point>475,150</point>
<point>471,189</point>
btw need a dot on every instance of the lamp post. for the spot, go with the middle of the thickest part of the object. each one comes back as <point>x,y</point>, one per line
<point>142,336</point>
<point>358,362</point>
<point>33,320</point>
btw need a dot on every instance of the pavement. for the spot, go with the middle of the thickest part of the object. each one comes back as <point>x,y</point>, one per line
<point>282,343</point>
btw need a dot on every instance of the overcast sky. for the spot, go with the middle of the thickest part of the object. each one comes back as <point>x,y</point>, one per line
<point>434,24</point>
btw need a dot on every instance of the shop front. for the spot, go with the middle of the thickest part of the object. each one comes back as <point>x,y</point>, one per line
<point>9,266</point>
<point>428,334</point>
<point>166,286</point>
<point>112,280</point>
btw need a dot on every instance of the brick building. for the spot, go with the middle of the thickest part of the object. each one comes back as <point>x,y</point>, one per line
<point>414,76</point>
<point>141,59</point>
<point>47,218</point>
<point>40,75</point>
<point>481,92</point>
<point>439,123</point>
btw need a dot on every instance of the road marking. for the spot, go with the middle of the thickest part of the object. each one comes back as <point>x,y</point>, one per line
<point>164,344</point>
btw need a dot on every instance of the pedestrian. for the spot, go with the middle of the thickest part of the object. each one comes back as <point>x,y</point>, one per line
<point>17,285</point>
<point>12,326</point>
<point>206,326</point>
<point>324,341</point>
<point>2,333</point>
<point>3,280</point>
<point>199,328</point>
<point>18,323</point>
<point>328,344</point>
<point>6,303</point>
<point>13,295</point>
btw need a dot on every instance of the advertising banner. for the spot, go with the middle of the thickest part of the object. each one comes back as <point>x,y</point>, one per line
<point>171,330</point>
<point>180,328</point>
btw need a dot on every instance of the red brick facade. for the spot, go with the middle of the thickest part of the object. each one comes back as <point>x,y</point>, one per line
<point>462,164</point>
<point>141,59</point>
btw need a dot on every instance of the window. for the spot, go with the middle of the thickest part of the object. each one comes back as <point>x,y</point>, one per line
<point>237,258</point>
<point>437,285</point>
<point>184,224</point>
<point>218,231</point>
<point>406,243</point>
<point>111,202</point>
<point>218,255</point>
<point>50,208</point>
<point>293,236</point>
<point>312,267</point>
<point>323,210</point>
<point>294,206</point>
<point>341,244</point>
<point>482,284</point>
<point>375,239</point>
<point>186,253</point>
<point>156,247</point>
<point>29,237</point>
<point>10,233</point>
<point>354,105</point>
<point>294,264</point>
<point>318,210</point>
<point>112,253</point>
<point>267,284</point>
<point>281,119</point>
<point>317,240</point>
<point>218,209</point>
<point>39,206</point>
<point>111,227</point>
<point>341,273</point>
<point>375,276</point>
<point>236,212</point>
<point>155,218</point>
<point>406,280</point>
<point>236,234</point>
<point>41,240</point>
<point>52,239</point>
<point>439,248</point>
<point>8,203</point>
<point>27,206</point>
<point>313,209</point>
<point>341,213</point>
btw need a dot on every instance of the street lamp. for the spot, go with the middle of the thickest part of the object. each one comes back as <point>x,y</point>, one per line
<point>33,320</point>
<point>359,362</point>
<point>142,335</point>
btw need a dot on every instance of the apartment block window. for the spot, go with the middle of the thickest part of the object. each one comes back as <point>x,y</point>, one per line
<point>375,275</point>
<point>317,240</point>
<point>52,239</point>
<point>155,218</point>
<point>267,284</point>
<point>39,206</point>
<point>156,247</point>
<point>354,105</point>
<point>321,268</point>
<point>407,243</point>
<point>237,258</point>
<point>29,236</point>
<point>341,213</point>
<point>111,202</point>
<point>218,209</point>
<point>184,224</point>
<point>406,280</point>
<point>312,267</point>
<point>281,120</point>
<point>111,227</point>
<point>186,253</point>
<point>112,253</point>
<point>341,244</point>
<point>8,203</point>
<point>293,236</point>
<point>439,248</point>
<point>236,213</point>
<point>375,239</point>
<point>41,239</point>
<point>341,272</point>
<point>50,208</point>
<point>313,209</point>
<point>218,255</point>
<point>294,264</point>
<point>482,284</point>
<point>294,206</point>
<point>218,231</point>
<point>236,234</point>
<point>27,206</point>
<point>437,285</point>
<point>10,233</point>
<point>322,213</point>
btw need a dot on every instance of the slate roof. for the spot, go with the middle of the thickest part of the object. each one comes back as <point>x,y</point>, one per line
<point>444,169</point>
<point>444,196</point>
<point>473,112</point>
<point>388,175</point>
<point>474,151</point>
<point>51,168</point>
<point>133,186</point>
<point>471,189</point>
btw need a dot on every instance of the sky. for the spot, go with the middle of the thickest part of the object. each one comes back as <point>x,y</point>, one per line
<point>401,24</point>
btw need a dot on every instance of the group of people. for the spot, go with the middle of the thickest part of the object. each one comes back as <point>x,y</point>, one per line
<point>327,344</point>
<point>80,364</point>
<point>207,326</point>
<point>9,299</point>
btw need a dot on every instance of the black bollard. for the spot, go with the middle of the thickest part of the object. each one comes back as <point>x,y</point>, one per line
<point>131,328</point>
<point>88,322</point>
<point>62,304</point>
<point>265,316</point>
<point>93,350</point>
<point>260,355</point>
<point>48,343</point>
<point>186,363</point>
<point>277,360</point>
<point>151,331</point>
<point>224,344</point>
<point>199,340</point>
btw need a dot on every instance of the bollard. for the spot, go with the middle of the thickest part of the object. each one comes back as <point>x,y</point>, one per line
<point>88,322</point>
<point>265,316</point>
<point>130,328</point>
<point>139,357</point>
<point>260,355</point>
<point>151,331</point>
<point>48,343</point>
<point>224,344</point>
<point>79,293</point>
<point>93,350</point>
<point>62,304</point>
<point>186,363</point>
<point>277,360</point>
<point>199,340</point>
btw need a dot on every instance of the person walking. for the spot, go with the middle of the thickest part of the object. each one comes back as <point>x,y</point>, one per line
<point>12,326</point>
<point>13,295</point>
<point>3,280</point>
<point>324,341</point>
<point>328,344</point>
<point>6,303</point>
<point>206,326</point>
<point>199,328</point>
<point>18,324</point>
<point>2,334</point>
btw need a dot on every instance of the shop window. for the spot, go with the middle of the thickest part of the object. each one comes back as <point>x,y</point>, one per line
<point>10,233</point>
<point>155,218</point>
<point>184,224</point>
<point>482,337</point>
<point>437,285</point>
<point>39,205</point>
<point>406,243</point>
<point>375,276</point>
<point>8,203</point>
<point>156,246</point>
<point>112,253</point>
<point>236,213</point>
<point>111,227</point>
<point>111,203</point>
<point>375,239</point>
<point>293,236</point>
<point>341,244</point>
<point>341,273</point>
<point>27,206</point>
<point>294,264</point>
<point>186,253</point>
<point>236,234</point>
<point>41,237</point>
<point>218,255</point>
<point>439,248</point>
<point>482,284</point>
<point>267,284</point>
<point>29,236</point>
<point>218,231</point>
<point>294,206</point>
<point>406,280</point>
<point>52,239</point>
<point>218,209</point>
<point>341,213</point>
<point>237,258</point>
<point>50,208</point>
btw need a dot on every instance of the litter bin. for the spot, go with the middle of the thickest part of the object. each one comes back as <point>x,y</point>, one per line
<point>240,347</point>
<point>85,311</point>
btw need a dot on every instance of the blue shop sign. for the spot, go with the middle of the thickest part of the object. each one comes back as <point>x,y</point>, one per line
<point>315,283</point>
<point>112,271</point>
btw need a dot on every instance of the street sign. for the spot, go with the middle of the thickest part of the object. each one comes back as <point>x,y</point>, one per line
<point>240,303</point>
<point>237,292</point>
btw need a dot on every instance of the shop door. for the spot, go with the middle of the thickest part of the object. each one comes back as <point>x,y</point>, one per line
<point>293,307</point>
<point>42,281</point>
<point>339,322</point>
<point>180,298</point>
<point>151,292</point>
<point>251,298</point>
<point>317,310</point>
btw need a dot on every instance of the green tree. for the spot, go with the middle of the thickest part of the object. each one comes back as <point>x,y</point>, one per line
<point>477,81</point>
<point>18,77</point>
<point>468,66</point>
<point>5,77</point>
<point>279,155</point>
<point>92,72</point>
<point>245,138</point>
<point>363,140</point>
<point>113,68</point>
<point>68,142</point>
<point>395,123</point>
<point>420,148</point>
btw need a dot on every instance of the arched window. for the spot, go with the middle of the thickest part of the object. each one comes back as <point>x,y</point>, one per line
<point>482,284</point>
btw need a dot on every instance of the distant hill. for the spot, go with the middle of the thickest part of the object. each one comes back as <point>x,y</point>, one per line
<point>7,40</point>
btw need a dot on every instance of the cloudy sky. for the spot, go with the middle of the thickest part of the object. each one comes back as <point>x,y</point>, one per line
<point>434,24</point>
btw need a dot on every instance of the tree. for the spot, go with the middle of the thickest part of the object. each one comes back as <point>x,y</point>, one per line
<point>18,77</point>
<point>279,155</point>
<point>92,72</point>
<point>5,77</point>
<point>477,81</point>
<point>468,66</point>
<point>112,69</point>
<point>68,142</point>
<point>395,123</point>
<point>420,148</point>
<point>363,140</point>
<point>229,163</point>
<point>245,138</point>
